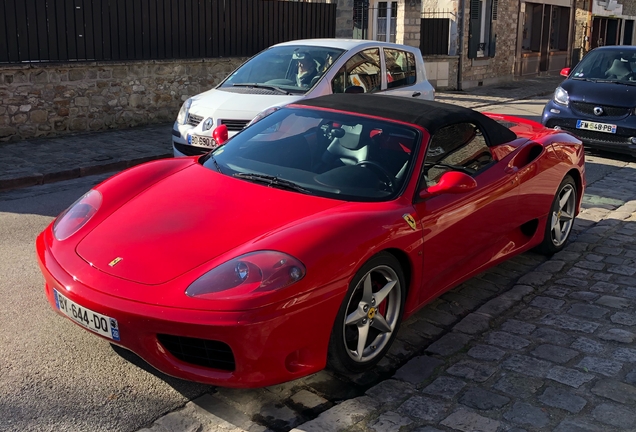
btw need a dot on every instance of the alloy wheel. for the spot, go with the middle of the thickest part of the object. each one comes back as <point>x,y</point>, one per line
<point>372,313</point>
<point>562,216</point>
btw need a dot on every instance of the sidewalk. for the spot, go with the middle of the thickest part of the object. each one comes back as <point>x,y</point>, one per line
<point>48,160</point>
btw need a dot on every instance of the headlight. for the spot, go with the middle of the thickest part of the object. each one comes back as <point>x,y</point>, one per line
<point>561,96</point>
<point>183,112</point>
<point>252,274</point>
<point>263,114</point>
<point>76,216</point>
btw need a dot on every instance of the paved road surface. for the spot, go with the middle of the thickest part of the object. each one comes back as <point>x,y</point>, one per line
<point>58,377</point>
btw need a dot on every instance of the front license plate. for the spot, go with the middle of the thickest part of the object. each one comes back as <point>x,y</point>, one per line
<point>599,127</point>
<point>202,141</point>
<point>93,321</point>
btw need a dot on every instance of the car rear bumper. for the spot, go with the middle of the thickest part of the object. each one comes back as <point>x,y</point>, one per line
<point>254,348</point>
<point>623,141</point>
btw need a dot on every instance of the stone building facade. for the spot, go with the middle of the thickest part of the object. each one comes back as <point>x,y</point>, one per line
<point>604,22</point>
<point>42,100</point>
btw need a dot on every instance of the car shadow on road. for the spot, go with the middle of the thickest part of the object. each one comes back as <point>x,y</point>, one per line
<point>182,386</point>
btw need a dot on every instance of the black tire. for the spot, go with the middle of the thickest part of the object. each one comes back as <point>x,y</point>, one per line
<point>379,273</point>
<point>561,215</point>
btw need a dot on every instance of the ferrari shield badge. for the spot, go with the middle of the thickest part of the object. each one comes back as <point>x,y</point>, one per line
<point>114,262</point>
<point>409,220</point>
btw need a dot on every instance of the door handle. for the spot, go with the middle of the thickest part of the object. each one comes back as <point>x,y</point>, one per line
<point>511,169</point>
<point>416,94</point>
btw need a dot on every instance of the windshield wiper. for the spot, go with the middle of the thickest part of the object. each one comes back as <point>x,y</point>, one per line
<point>602,80</point>
<point>257,85</point>
<point>617,82</point>
<point>273,181</point>
<point>216,164</point>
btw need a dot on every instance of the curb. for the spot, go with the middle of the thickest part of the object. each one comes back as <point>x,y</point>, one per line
<point>89,170</point>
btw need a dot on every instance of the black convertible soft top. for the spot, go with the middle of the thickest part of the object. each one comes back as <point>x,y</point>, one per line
<point>430,115</point>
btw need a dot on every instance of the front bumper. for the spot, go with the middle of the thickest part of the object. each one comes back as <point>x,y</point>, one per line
<point>268,345</point>
<point>180,145</point>
<point>566,119</point>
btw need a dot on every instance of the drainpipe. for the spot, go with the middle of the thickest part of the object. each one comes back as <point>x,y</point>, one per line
<point>460,48</point>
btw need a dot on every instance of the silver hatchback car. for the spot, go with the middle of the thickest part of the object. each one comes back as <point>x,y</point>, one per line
<point>295,70</point>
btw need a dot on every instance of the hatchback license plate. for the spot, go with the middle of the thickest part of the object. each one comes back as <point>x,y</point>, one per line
<point>599,127</point>
<point>93,321</point>
<point>202,141</point>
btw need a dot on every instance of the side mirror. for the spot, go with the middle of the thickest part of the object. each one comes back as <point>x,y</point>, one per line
<point>220,134</point>
<point>452,182</point>
<point>565,72</point>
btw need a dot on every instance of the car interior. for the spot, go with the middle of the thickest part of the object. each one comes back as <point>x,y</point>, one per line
<point>608,65</point>
<point>348,152</point>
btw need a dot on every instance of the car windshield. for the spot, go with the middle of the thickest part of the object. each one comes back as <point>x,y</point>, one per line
<point>607,65</point>
<point>290,69</point>
<point>322,153</point>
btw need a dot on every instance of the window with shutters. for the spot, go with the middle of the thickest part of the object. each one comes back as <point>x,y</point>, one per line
<point>482,39</point>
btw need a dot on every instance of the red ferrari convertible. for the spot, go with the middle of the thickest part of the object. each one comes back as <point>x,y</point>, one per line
<point>306,239</point>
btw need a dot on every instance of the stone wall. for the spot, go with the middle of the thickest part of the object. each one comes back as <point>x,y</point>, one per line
<point>344,19</point>
<point>629,7</point>
<point>409,22</point>
<point>441,71</point>
<point>582,24</point>
<point>43,100</point>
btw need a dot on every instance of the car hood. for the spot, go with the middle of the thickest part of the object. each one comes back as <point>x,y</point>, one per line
<point>237,106</point>
<point>188,219</point>
<point>619,95</point>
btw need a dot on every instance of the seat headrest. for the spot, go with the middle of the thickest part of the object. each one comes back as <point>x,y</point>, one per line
<point>619,69</point>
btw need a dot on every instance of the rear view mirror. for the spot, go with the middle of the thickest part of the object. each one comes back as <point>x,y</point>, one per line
<point>220,134</point>
<point>451,182</point>
<point>565,72</point>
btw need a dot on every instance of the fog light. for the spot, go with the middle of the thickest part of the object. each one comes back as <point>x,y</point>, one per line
<point>555,111</point>
<point>633,140</point>
<point>557,128</point>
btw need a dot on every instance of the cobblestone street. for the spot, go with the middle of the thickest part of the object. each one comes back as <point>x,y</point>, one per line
<point>530,345</point>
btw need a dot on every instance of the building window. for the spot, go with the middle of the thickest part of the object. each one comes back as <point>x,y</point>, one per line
<point>360,19</point>
<point>386,23</point>
<point>559,27</point>
<point>482,39</point>
<point>545,19</point>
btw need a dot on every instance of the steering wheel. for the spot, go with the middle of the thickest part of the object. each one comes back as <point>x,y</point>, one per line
<point>379,170</point>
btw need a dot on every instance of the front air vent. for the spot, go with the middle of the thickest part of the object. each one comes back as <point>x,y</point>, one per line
<point>235,125</point>
<point>194,120</point>
<point>201,352</point>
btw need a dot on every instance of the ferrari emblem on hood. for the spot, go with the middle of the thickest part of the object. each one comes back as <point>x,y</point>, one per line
<point>114,262</point>
<point>409,220</point>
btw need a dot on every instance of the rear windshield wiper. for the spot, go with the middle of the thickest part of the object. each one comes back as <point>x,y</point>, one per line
<point>268,87</point>
<point>273,181</point>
